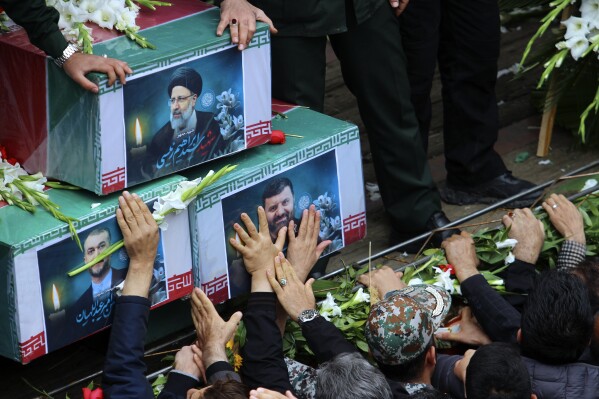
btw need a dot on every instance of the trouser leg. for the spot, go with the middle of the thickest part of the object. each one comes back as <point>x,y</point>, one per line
<point>373,67</point>
<point>298,70</point>
<point>419,25</point>
<point>468,54</point>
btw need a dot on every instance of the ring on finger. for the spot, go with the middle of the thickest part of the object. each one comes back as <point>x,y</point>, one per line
<point>233,22</point>
<point>283,282</point>
<point>554,206</point>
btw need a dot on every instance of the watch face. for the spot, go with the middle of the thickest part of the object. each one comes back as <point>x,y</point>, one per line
<point>307,315</point>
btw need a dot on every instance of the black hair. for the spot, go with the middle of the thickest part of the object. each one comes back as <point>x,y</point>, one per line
<point>275,187</point>
<point>557,320</point>
<point>407,371</point>
<point>588,272</point>
<point>430,393</point>
<point>496,371</point>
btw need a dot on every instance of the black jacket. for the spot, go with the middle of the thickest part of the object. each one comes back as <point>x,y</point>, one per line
<point>40,22</point>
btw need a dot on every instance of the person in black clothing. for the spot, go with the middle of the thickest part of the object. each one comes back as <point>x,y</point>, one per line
<point>41,24</point>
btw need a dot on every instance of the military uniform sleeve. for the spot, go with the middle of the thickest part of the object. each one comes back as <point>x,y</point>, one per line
<point>40,22</point>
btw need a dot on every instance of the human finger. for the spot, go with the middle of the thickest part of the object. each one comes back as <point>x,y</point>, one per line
<point>262,221</point>
<point>316,226</point>
<point>231,325</point>
<point>249,225</point>
<point>261,16</point>
<point>234,29</point>
<point>280,241</point>
<point>239,247</point>
<point>303,227</point>
<point>321,247</point>
<point>279,268</point>
<point>291,232</point>
<point>207,303</point>
<point>120,72</point>
<point>274,283</point>
<point>365,279</point>
<point>135,207</point>
<point>308,288</point>
<point>241,233</point>
<point>145,211</point>
<point>125,206</point>
<point>222,24</point>
<point>84,82</point>
<point>120,219</point>
<point>243,33</point>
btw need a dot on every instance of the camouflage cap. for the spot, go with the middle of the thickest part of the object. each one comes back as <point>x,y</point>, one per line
<point>401,327</point>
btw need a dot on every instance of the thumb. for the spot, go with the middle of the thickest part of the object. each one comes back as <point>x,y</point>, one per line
<point>231,325</point>
<point>322,246</point>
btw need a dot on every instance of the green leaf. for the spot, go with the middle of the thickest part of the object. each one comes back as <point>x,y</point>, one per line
<point>521,157</point>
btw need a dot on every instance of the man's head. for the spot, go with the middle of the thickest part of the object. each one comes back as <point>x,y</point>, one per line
<point>496,371</point>
<point>96,242</point>
<point>400,329</point>
<point>229,389</point>
<point>557,321</point>
<point>183,90</point>
<point>349,376</point>
<point>278,204</point>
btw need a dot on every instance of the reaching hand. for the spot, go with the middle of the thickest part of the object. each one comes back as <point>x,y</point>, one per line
<point>461,253</point>
<point>184,361</point>
<point>198,358</point>
<point>399,6</point>
<point>304,250</point>
<point>140,234</point>
<point>470,332</point>
<point>565,217</point>
<point>256,247</point>
<point>383,280</point>
<point>263,393</point>
<point>80,64</point>
<point>293,294</point>
<point>529,232</point>
<point>212,331</point>
<point>241,18</point>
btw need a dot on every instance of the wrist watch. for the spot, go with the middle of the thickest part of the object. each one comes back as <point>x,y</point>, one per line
<point>307,315</point>
<point>66,54</point>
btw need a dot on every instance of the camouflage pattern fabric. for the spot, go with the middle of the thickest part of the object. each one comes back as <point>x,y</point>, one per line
<point>302,379</point>
<point>435,300</point>
<point>398,329</point>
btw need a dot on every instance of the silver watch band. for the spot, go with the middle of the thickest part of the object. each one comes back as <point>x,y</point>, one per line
<point>66,54</point>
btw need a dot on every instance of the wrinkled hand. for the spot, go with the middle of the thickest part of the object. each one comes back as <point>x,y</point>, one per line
<point>212,331</point>
<point>80,64</point>
<point>240,16</point>
<point>304,250</point>
<point>462,365</point>
<point>140,234</point>
<point>256,246</point>
<point>383,280</point>
<point>529,232</point>
<point>461,253</point>
<point>263,393</point>
<point>470,332</point>
<point>184,361</point>
<point>295,296</point>
<point>398,6</point>
<point>565,217</point>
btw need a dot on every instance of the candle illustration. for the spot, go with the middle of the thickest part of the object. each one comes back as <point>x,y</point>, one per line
<point>58,314</point>
<point>139,149</point>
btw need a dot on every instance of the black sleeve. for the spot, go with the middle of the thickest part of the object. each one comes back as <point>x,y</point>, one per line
<point>177,386</point>
<point>124,367</point>
<point>498,318</point>
<point>519,279</point>
<point>221,371</point>
<point>444,378</point>
<point>40,22</point>
<point>263,362</point>
<point>325,340</point>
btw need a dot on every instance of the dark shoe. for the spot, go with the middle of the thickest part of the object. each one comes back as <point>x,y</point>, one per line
<point>491,191</point>
<point>437,220</point>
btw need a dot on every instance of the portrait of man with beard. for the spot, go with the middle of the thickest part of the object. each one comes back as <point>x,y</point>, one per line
<point>92,311</point>
<point>190,136</point>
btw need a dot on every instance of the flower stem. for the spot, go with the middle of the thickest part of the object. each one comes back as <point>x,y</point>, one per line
<point>109,251</point>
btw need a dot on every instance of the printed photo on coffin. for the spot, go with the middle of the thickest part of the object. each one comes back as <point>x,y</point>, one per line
<point>284,196</point>
<point>75,307</point>
<point>184,115</point>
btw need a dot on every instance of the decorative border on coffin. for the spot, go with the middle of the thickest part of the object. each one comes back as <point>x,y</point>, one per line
<point>86,220</point>
<point>337,140</point>
<point>260,38</point>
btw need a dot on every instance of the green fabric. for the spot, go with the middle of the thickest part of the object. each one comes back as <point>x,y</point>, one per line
<point>40,22</point>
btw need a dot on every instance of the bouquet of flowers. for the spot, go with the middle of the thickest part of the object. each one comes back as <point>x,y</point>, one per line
<point>231,126</point>
<point>571,58</point>
<point>107,14</point>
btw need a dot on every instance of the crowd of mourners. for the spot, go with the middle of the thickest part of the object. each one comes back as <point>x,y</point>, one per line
<point>541,341</point>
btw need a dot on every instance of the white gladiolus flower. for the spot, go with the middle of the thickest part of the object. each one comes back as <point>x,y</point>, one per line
<point>508,243</point>
<point>510,258</point>
<point>415,281</point>
<point>589,10</point>
<point>104,17</point>
<point>577,46</point>
<point>329,308</point>
<point>11,172</point>
<point>361,296</point>
<point>444,279</point>
<point>575,27</point>
<point>590,183</point>
<point>173,201</point>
